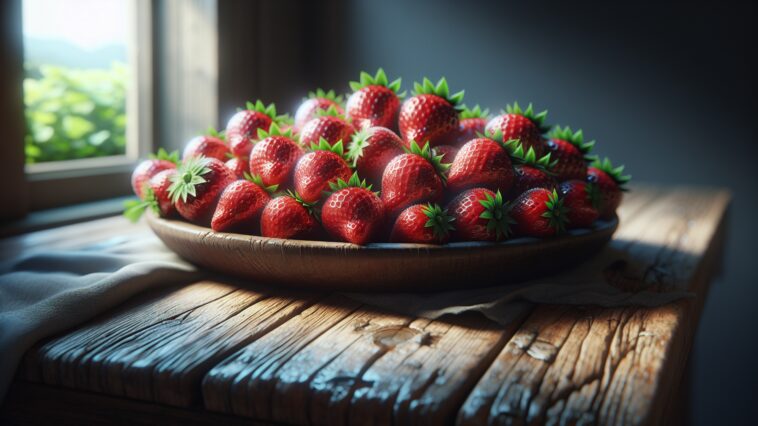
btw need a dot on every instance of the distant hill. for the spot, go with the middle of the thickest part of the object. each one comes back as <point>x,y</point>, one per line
<point>58,52</point>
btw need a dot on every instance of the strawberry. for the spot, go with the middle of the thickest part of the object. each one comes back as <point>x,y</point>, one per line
<point>239,166</point>
<point>240,205</point>
<point>412,178</point>
<point>329,125</point>
<point>374,102</point>
<point>569,151</point>
<point>289,216</point>
<point>352,213</point>
<point>156,197</point>
<point>480,215</point>
<point>211,145</point>
<point>318,100</point>
<point>539,212</point>
<point>524,125</point>
<point>371,149</point>
<point>316,169</point>
<point>150,167</point>
<point>580,199</point>
<point>610,185</point>
<point>274,157</point>
<point>243,127</point>
<point>422,224</point>
<point>529,171</point>
<point>448,152</point>
<point>472,123</point>
<point>196,186</point>
<point>431,114</point>
<point>482,162</point>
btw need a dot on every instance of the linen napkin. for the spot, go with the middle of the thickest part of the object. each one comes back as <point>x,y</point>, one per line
<point>48,292</point>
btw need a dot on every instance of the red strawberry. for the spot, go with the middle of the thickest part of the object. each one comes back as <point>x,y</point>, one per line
<point>196,186</point>
<point>329,125</point>
<point>610,185</point>
<point>448,153</point>
<point>274,157</point>
<point>352,212</point>
<point>156,197</point>
<point>480,215</point>
<point>471,124</point>
<point>539,213</point>
<point>243,127</point>
<point>374,102</point>
<point>318,168</point>
<point>289,216</point>
<point>580,199</point>
<point>524,125</point>
<point>239,166</point>
<point>530,171</point>
<point>150,167</point>
<point>412,178</point>
<point>569,151</point>
<point>371,149</point>
<point>431,115</point>
<point>318,100</point>
<point>211,145</point>
<point>422,224</point>
<point>481,162</point>
<point>240,205</point>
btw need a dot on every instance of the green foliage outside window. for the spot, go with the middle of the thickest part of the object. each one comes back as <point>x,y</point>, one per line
<point>75,113</point>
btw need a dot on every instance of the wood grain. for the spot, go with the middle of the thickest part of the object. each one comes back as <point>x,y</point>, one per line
<point>611,366</point>
<point>379,267</point>
<point>159,347</point>
<point>290,357</point>
<point>368,366</point>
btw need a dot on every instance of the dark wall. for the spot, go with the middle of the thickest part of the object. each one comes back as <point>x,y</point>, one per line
<point>665,89</point>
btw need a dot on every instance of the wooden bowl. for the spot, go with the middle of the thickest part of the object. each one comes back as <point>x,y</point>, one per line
<point>379,267</point>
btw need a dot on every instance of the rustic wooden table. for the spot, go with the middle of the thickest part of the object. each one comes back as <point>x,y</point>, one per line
<point>219,352</point>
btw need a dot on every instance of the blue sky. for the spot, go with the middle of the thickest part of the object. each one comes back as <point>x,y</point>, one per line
<point>88,24</point>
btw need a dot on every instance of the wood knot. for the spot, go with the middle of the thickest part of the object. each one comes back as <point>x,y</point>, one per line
<point>394,335</point>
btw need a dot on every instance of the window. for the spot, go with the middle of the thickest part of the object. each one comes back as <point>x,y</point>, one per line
<point>87,97</point>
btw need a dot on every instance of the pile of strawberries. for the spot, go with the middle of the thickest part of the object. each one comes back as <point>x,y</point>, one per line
<point>376,168</point>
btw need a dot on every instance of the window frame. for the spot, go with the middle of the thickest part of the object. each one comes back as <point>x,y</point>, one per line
<point>59,183</point>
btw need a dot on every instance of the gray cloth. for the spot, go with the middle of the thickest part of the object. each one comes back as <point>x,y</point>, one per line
<point>48,292</point>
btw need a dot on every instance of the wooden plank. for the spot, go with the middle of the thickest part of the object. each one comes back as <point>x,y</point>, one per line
<point>158,347</point>
<point>72,236</point>
<point>612,366</point>
<point>37,404</point>
<point>369,366</point>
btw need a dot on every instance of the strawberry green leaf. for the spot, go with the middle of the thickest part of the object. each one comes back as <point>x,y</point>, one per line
<point>556,212</point>
<point>134,209</point>
<point>575,138</point>
<point>496,214</point>
<point>332,111</point>
<point>324,145</point>
<point>475,112</point>
<point>358,143</point>
<point>428,153</point>
<point>380,79</point>
<point>440,89</point>
<point>274,130</point>
<point>258,180</point>
<point>321,94</point>
<point>215,133</point>
<point>614,172</point>
<point>537,118</point>
<point>528,157</point>
<point>188,176</point>
<point>162,154</point>
<point>353,182</point>
<point>439,220</point>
